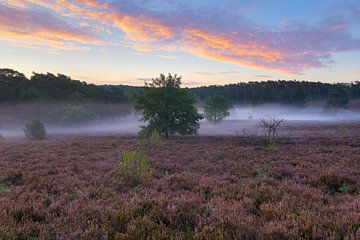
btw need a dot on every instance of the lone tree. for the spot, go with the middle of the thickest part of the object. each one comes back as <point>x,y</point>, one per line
<point>35,130</point>
<point>216,108</point>
<point>167,108</point>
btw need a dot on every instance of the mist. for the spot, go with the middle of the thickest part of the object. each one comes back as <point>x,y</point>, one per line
<point>242,118</point>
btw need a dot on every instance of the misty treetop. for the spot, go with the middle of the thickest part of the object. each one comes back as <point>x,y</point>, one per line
<point>14,86</point>
<point>167,108</point>
<point>216,108</point>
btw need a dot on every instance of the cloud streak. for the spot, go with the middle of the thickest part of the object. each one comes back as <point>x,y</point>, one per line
<point>33,27</point>
<point>263,76</point>
<point>290,48</point>
<point>216,73</point>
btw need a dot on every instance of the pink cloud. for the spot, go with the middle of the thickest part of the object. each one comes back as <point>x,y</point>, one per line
<point>291,48</point>
<point>263,76</point>
<point>38,28</point>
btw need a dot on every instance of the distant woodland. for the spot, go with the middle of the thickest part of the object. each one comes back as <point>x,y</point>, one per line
<point>16,87</point>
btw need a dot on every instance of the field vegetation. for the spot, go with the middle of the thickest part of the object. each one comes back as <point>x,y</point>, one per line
<point>186,188</point>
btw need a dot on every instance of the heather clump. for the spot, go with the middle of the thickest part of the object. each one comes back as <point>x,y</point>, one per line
<point>262,170</point>
<point>336,184</point>
<point>12,178</point>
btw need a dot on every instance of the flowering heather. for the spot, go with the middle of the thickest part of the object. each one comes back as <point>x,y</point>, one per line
<point>199,188</point>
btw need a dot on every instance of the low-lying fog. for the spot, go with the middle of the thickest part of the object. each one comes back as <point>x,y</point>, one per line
<point>241,118</point>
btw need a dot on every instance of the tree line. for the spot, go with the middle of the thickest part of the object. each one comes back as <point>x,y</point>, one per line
<point>281,91</point>
<point>15,86</point>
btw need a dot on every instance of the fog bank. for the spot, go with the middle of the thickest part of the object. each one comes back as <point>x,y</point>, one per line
<point>242,118</point>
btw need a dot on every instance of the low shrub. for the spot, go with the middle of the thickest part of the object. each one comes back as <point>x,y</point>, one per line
<point>134,167</point>
<point>4,189</point>
<point>262,170</point>
<point>35,130</point>
<point>155,138</point>
<point>336,184</point>
<point>12,178</point>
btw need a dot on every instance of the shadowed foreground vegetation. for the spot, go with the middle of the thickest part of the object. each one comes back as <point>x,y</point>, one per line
<point>184,188</point>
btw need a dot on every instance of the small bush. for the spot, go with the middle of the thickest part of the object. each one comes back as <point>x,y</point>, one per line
<point>155,138</point>
<point>337,184</point>
<point>344,188</point>
<point>262,170</point>
<point>4,189</point>
<point>35,130</point>
<point>134,167</point>
<point>271,144</point>
<point>1,138</point>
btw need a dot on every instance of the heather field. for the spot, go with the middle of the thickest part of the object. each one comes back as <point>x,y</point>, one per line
<point>202,187</point>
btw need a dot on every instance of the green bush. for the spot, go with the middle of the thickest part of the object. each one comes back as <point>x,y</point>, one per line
<point>35,130</point>
<point>4,189</point>
<point>155,138</point>
<point>134,167</point>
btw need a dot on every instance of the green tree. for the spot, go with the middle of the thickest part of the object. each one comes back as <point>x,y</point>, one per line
<point>35,130</point>
<point>167,108</point>
<point>216,108</point>
<point>338,98</point>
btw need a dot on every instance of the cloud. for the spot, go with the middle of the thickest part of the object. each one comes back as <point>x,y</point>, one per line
<point>34,27</point>
<point>263,76</point>
<point>357,72</point>
<point>171,57</point>
<point>211,33</point>
<point>144,79</point>
<point>216,73</point>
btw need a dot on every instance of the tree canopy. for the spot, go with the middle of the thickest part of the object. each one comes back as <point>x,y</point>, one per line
<point>338,98</point>
<point>167,108</point>
<point>14,86</point>
<point>216,108</point>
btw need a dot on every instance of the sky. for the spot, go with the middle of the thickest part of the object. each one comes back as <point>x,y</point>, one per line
<point>207,42</point>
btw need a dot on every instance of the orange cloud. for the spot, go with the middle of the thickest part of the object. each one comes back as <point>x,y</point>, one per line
<point>287,50</point>
<point>227,48</point>
<point>32,28</point>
